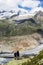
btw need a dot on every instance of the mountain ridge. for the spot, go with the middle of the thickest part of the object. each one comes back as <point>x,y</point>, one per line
<point>4,14</point>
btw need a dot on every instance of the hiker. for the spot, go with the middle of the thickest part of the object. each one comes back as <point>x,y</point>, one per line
<point>18,55</point>
<point>15,55</point>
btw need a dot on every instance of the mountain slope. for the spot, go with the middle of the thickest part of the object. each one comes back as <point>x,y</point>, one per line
<point>39,15</point>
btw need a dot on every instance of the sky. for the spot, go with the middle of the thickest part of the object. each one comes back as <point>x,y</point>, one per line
<point>30,6</point>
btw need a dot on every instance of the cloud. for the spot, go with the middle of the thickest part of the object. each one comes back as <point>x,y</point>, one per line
<point>30,3</point>
<point>9,4</point>
<point>34,10</point>
<point>14,3</point>
<point>24,5</point>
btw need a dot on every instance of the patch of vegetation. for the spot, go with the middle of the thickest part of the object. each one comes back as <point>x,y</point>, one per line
<point>17,62</point>
<point>13,29</point>
<point>37,60</point>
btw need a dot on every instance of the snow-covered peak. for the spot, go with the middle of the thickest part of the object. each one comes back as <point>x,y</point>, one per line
<point>21,12</point>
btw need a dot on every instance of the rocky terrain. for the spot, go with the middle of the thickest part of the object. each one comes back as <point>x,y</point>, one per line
<point>20,43</point>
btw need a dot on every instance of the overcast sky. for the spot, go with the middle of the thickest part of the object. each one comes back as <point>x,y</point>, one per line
<point>24,5</point>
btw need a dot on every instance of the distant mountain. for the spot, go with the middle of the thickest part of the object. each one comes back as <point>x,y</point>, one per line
<point>3,11</point>
<point>14,15</point>
<point>38,17</point>
<point>20,16</point>
<point>10,14</point>
<point>39,13</point>
<point>21,24</point>
<point>7,14</point>
<point>11,11</point>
